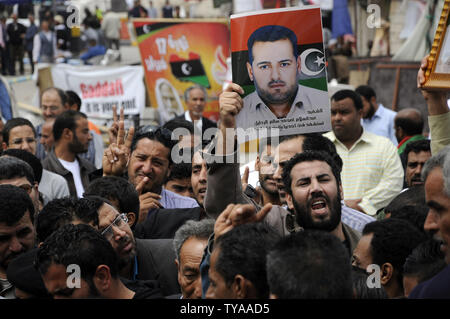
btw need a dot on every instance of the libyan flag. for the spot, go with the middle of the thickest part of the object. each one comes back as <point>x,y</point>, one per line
<point>190,70</point>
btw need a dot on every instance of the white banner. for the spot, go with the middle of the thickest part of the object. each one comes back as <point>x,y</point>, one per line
<point>102,87</point>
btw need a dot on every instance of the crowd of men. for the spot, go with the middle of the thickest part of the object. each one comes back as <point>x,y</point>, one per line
<point>360,212</point>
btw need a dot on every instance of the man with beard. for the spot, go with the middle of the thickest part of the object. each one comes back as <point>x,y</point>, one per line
<point>267,192</point>
<point>17,234</point>
<point>274,67</point>
<point>314,191</point>
<point>376,118</point>
<point>223,168</point>
<point>417,154</point>
<point>436,174</point>
<point>72,137</point>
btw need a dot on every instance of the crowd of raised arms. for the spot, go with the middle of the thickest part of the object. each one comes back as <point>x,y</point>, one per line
<point>359,212</point>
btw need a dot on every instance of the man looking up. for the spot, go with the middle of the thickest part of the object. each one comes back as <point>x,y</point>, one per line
<point>376,118</point>
<point>369,187</point>
<point>72,136</point>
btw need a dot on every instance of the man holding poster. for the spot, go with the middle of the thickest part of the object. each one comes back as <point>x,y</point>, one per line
<point>274,67</point>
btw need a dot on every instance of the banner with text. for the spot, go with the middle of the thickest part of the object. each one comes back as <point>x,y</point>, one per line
<point>102,87</point>
<point>177,54</point>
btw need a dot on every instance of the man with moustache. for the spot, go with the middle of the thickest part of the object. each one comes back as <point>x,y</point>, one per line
<point>416,154</point>
<point>314,192</point>
<point>274,67</point>
<point>222,171</point>
<point>17,232</point>
<point>72,137</point>
<point>139,259</point>
<point>146,158</point>
<point>376,118</point>
<point>436,174</point>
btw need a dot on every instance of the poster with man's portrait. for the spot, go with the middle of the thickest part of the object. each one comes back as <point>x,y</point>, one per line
<point>278,59</point>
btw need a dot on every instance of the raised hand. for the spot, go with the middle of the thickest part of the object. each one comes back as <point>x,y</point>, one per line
<point>238,214</point>
<point>115,157</point>
<point>230,103</point>
<point>147,200</point>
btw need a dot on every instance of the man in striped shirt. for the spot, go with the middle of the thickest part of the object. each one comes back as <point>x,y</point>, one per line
<point>372,173</point>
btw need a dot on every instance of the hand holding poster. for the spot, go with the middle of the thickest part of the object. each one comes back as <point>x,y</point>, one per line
<point>278,59</point>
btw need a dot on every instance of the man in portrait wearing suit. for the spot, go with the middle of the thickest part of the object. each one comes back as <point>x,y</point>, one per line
<point>195,97</point>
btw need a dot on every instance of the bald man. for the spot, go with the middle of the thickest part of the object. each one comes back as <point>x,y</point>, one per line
<point>408,124</point>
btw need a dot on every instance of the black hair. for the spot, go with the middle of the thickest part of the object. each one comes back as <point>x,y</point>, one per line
<point>243,251</point>
<point>417,147</point>
<point>425,261</point>
<point>343,94</point>
<point>308,156</point>
<point>318,142</point>
<point>410,197</point>
<point>13,167</point>
<point>61,93</point>
<point>309,264</point>
<point>411,126</point>
<point>116,188</point>
<point>366,91</point>
<point>179,123</point>
<point>73,98</point>
<point>61,211</point>
<point>415,214</point>
<point>14,122</point>
<point>360,288</point>
<point>27,157</point>
<point>393,240</point>
<point>66,120</point>
<point>81,245</point>
<point>161,135</point>
<point>271,33</point>
<point>180,171</point>
<point>15,203</point>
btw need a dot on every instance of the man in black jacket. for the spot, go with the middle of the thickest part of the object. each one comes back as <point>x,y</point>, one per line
<point>16,33</point>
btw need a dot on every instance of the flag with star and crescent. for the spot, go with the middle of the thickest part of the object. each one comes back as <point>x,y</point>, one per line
<point>182,53</point>
<point>305,23</point>
<point>285,85</point>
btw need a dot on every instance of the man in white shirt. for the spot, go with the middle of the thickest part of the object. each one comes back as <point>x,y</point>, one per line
<point>376,118</point>
<point>44,44</point>
<point>72,136</point>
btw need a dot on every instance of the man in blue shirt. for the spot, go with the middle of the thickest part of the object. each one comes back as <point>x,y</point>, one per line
<point>93,51</point>
<point>376,118</point>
